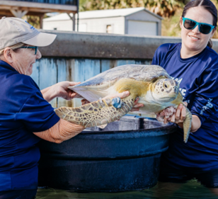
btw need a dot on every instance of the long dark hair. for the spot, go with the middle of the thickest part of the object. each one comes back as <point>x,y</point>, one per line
<point>207,5</point>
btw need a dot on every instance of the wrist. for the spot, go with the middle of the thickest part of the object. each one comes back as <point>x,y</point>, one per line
<point>180,125</point>
<point>196,123</point>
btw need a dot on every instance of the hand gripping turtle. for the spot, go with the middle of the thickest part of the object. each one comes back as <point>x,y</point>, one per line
<point>150,83</point>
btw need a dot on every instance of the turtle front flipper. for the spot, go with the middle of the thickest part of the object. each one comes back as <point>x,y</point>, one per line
<point>96,113</point>
<point>187,125</point>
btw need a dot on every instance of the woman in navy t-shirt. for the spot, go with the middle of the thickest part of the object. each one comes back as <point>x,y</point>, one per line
<point>195,66</point>
<point>25,114</point>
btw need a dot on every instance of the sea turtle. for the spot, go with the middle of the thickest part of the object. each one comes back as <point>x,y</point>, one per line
<point>150,83</point>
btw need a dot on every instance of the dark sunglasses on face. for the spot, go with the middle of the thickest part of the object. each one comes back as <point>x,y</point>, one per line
<point>33,47</point>
<point>202,27</point>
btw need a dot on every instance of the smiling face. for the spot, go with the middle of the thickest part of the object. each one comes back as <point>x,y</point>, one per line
<point>193,41</point>
<point>21,59</point>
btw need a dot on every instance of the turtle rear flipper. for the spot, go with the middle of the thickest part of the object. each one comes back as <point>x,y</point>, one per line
<point>187,125</point>
<point>95,113</point>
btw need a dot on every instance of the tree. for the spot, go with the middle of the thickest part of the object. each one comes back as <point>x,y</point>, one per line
<point>164,8</point>
<point>33,20</point>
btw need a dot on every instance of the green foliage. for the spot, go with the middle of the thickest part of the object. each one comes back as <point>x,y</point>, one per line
<point>33,20</point>
<point>82,2</point>
<point>164,8</point>
<point>170,26</point>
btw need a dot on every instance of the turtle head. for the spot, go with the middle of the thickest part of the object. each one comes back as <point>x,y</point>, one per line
<point>165,90</point>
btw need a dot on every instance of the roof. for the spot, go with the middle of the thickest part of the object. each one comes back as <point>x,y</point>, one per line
<point>102,14</point>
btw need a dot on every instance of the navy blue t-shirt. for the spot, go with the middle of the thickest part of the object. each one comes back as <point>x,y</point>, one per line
<point>198,78</point>
<point>22,112</point>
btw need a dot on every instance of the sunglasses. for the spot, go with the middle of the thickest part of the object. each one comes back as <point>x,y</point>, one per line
<point>32,47</point>
<point>202,27</point>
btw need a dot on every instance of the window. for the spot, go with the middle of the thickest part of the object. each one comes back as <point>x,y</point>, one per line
<point>109,29</point>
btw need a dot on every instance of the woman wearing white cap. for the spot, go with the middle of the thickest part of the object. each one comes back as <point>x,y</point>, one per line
<point>25,114</point>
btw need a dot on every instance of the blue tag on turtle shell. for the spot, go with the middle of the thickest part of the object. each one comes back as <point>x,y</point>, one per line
<point>116,102</point>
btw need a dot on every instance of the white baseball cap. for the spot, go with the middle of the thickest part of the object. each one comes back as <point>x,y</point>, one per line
<point>15,30</point>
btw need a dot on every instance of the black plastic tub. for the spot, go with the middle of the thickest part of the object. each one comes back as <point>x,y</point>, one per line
<point>124,156</point>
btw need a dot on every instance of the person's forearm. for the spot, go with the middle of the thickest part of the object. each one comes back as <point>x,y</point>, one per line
<point>60,132</point>
<point>48,93</point>
<point>196,123</point>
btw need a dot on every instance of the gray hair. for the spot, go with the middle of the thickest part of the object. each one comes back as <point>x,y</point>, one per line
<point>13,47</point>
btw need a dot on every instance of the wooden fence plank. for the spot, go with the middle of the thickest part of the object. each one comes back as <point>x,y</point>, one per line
<point>143,62</point>
<point>48,75</point>
<point>66,72</point>
<point>107,64</point>
<point>35,73</point>
<point>125,62</point>
<point>62,75</point>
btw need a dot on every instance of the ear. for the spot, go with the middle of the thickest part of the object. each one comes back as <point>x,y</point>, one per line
<point>8,57</point>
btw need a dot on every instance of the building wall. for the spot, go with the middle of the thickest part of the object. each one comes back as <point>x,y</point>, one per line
<point>66,25</point>
<point>143,16</point>
<point>142,23</point>
<point>88,25</point>
<point>139,23</point>
<point>100,24</point>
<point>142,28</point>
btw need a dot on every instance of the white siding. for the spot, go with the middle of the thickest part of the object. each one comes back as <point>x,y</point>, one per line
<point>136,21</point>
<point>143,23</point>
<point>143,16</point>
<point>88,25</point>
<point>83,27</point>
<point>58,25</point>
<point>99,25</point>
<point>142,28</point>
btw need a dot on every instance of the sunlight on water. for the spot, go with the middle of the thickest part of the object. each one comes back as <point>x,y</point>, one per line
<point>190,190</point>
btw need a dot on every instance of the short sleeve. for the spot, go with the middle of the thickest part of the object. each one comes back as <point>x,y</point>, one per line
<point>156,58</point>
<point>160,54</point>
<point>37,114</point>
<point>205,103</point>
